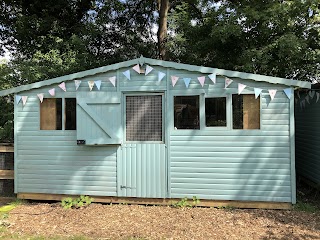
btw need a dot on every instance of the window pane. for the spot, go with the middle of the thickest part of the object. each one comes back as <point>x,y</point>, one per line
<point>71,114</point>
<point>186,112</point>
<point>144,118</point>
<point>51,114</point>
<point>216,112</point>
<point>246,112</point>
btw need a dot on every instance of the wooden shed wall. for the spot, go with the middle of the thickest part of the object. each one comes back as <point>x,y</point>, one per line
<point>251,165</point>
<point>308,140</point>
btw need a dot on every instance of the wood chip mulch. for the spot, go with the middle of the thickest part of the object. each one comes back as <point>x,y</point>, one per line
<point>99,221</point>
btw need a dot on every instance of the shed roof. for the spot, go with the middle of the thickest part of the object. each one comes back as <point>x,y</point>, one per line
<point>167,64</point>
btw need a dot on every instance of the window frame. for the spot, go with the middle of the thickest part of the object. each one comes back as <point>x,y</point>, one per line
<point>63,107</point>
<point>260,111</point>
<point>124,118</point>
<point>203,125</point>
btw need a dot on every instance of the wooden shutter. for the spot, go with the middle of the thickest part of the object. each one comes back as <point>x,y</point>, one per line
<point>251,112</point>
<point>99,118</point>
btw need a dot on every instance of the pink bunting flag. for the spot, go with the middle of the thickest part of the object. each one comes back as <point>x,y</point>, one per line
<point>228,81</point>
<point>77,84</point>
<point>113,80</point>
<point>91,85</point>
<point>201,80</point>
<point>63,86</point>
<point>174,80</point>
<point>213,77</point>
<point>241,87</point>
<point>52,92</point>
<point>40,96</point>
<point>24,100</point>
<point>272,93</point>
<point>136,68</point>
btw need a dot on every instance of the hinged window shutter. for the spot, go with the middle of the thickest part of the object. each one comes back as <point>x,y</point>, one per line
<point>99,118</point>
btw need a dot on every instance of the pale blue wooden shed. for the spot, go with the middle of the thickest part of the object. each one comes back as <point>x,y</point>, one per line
<point>157,130</point>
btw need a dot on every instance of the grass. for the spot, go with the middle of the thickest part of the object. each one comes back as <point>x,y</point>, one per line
<point>305,207</point>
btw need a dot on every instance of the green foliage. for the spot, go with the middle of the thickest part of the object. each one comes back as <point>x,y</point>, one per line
<point>305,207</point>
<point>185,202</point>
<point>82,201</point>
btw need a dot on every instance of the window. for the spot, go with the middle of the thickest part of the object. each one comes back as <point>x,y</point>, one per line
<point>51,114</point>
<point>144,118</point>
<point>246,112</point>
<point>216,112</point>
<point>186,112</point>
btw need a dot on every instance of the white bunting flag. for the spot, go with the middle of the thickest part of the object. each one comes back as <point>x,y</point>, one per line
<point>201,80</point>
<point>63,86</point>
<point>91,85</point>
<point>77,84</point>
<point>241,87</point>
<point>40,96</point>
<point>187,81</point>
<point>148,70</point>
<point>288,92</point>
<point>24,100</point>
<point>127,74</point>
<point>113,80</point>
<point>272,93</point>
<point>227,81</point>
<point>136,68</point>
<point>213,77</point>
<point>174,80</point>
<point>98,84</point>
<point>318,95</point>
<point>52,92</point>
<point>257,92</point>
<point>160,76</point>
<point>311,94</point>
<point>307,99</point>
<point>18,98</point>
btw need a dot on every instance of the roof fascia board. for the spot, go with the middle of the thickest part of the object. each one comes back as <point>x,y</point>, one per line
<point>72,76</point>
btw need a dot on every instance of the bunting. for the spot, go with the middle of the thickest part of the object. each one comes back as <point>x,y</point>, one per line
<point>18,98</point>
<point>77,84</point>
<point>160,76</point>
<point>187,81</point>
<point>40,96</point>
<point>318,95</point>
<point>201,80</point>
<point>213,77</point>
<point>91,85</point>
<point>24,100</point>
<point>257,92</point>
<point>148,70</point>
<point>241,87</point>
<point>63,86</point>
<point>307,99</point>
<point>174,80</point>
<point>98,84</point>
<point>227,81</point>
<point>288,92</point>
<point>127,74</point>
<point>272,93</point>
<point>137,68</point>
<point>113,80</point>
<point>311,94</point>
<point>52,92</point>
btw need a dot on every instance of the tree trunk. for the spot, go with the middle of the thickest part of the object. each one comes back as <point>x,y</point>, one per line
<point>163,6</point>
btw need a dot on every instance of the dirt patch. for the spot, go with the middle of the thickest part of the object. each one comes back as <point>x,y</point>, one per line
<point>99,221</point>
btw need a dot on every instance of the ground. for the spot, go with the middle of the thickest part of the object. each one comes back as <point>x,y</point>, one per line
<point>98,221</point>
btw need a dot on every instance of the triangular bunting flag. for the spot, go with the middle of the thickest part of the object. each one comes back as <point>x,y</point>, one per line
<point>213,77</point>
<point>318,95</point>
<point>77,84</point>
<point>18,98</point>
<point>24,100</point>
<point>127,74</point>
<point>63,86</point>
<point>307,99</point>
<point>257,92</point>
<point>174,80</point>
<point>288,92</point>
<point>227,81</point>
<point>311,94</point>
<point>201,80</point>
<point>296,100</point>
<point>52,92</point>
<point>160,76</point>
<point>303,103</point>
<point>241,87</point>
<point>272,93</point>
<point>98,84</point>
<point>136,68</point>
<point>298,93</point>
<point>113,80</point>
<point>148,70</point>
<point>40,96</point>
<point>91,85</point>
<point>187,81</point>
